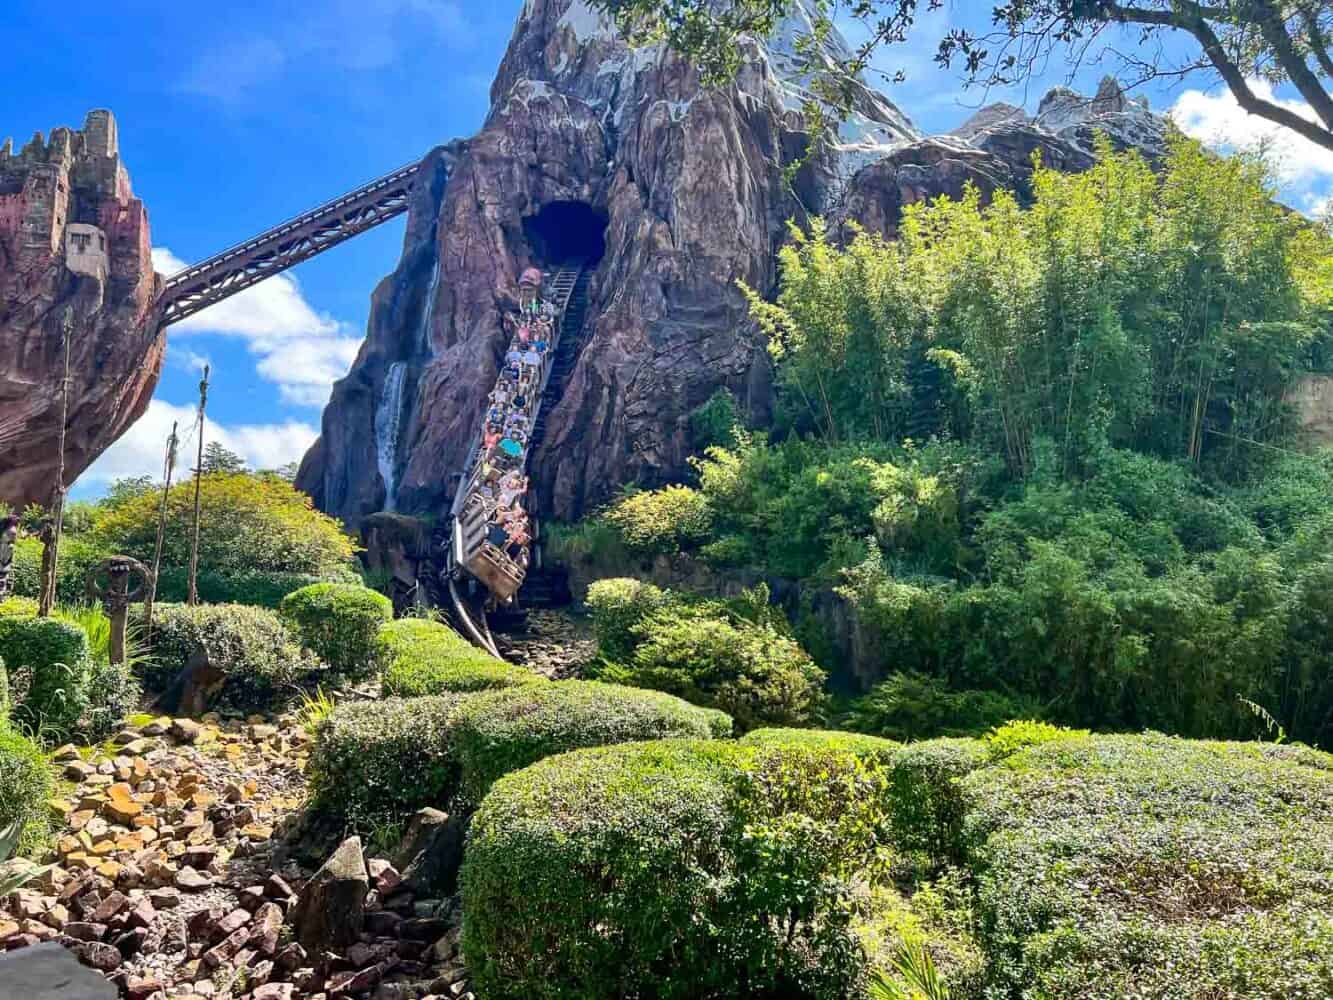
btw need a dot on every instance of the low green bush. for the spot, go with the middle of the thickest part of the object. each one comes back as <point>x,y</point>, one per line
<point>618,606</point>
<point>261,588</point>
<point>1002,741</point>
<point>502,731</point>
<point>661,522</point>
<point>424,657</point>
<point>375,762</point>
<point>1147,866</point>
<point>26,784</point>
<point>872,749</point>
<point>913,706</point>
<point>928,801</point>
<point>4,694</point>
<point>340,624</point>
<point>250,645</point>
<point>18,606</point>
<point>753,672</point>
<point>114,694</point>
<point>49,669</point>
<point>672,869</point>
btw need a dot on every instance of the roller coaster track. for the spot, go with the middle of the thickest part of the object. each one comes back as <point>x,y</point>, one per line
<point>296,240</point>
<point>568,290</point>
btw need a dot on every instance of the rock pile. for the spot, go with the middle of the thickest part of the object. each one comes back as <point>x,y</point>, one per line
<point>171,878</point>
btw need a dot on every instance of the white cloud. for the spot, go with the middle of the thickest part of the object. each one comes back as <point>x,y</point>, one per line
<point>300,350</point>
<point>139,451</point>
<point>1218,120</point>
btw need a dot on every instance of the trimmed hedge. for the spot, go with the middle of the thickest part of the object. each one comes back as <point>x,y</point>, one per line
<point>26,784</point>
<point>50,669</point>
<point>376,761</point>
<point>250,645</point>
<point>618,605</point>
<point>928,801</point>
<point>672,869</point>
<point>339,623</point>
<point>502,731</point>
<point>424,657</point>
<point>1147,866</point>
<point>872,749</point>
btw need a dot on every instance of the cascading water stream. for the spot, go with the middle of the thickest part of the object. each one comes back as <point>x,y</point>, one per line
<point>388,417</point>
<point>428,312</point>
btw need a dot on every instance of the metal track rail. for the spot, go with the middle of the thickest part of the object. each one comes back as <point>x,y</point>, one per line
<point>296,240</point>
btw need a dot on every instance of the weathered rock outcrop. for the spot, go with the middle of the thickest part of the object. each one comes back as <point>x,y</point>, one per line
<point>993,149</point>
<point>74,249</point>
<point>590,144</point>
<point>683,185</point>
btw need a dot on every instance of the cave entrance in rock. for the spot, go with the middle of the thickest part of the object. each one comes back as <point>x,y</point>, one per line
<point>567,231</point>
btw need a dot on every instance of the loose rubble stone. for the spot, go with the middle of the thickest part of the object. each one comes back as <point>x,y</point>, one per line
<point>331,908</point>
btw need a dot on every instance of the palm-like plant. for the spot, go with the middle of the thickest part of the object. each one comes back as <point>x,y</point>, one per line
<point>916,979</point>
<point>17,872</point>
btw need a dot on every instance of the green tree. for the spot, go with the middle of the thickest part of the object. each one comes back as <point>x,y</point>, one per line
<point>218,458</point>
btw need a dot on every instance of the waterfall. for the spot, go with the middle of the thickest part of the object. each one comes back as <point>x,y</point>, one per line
<point>388,416</point>
<point>428,312</point>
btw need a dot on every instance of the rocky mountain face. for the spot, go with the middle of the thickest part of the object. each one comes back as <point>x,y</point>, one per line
<point>674,193</point>
<point>74,255</point>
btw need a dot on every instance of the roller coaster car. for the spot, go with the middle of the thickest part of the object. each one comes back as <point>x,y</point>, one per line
<point>485,561</point>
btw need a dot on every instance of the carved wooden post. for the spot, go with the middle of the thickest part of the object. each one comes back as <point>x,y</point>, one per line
<point>117,596</point>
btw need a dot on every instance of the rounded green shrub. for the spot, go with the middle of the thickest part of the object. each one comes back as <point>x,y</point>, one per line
<point>113,694</point>
<point>26,784</point>
<point>424,657</point>
<point>1150,866</point>
<point>672,869</point>
<point>753,672</point>
<point>4,694</point>
<point>378,761</point>
<point>869,748</point>
<point>501,731</point>
<point>928,803</point>
<point>250,645</point>
<point>50,668</point>
<point>661,522</point>
<point>618,605</point>
<point>339,623</point>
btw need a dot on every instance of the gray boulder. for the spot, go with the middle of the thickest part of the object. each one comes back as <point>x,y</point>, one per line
<point>330,910</point>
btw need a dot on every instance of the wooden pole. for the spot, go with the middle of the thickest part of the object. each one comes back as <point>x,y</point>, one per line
<point>51,557</point>
<point>169,466</point>
<point>193,598</point>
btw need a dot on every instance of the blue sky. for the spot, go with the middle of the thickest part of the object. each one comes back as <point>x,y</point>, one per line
<point>236,116</point>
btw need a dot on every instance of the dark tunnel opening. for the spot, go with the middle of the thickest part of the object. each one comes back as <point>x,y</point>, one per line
<point>567,231</point>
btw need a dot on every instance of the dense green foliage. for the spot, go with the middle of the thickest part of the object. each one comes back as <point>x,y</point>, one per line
<point>659,522</point>
<point>502,731</point>
<point>260,540</point>
<point>26,784</point>
<point>732,655</point>
<point>912,706</point>
<point>340,624</point>
<point>50,669</point>
<point>425,657</point>
<point>250,645</point>
<point>376,762</point>
<point>1147,866</point>
<point>248,524</point>
<point>673,869</point>
<point>1043,450</point>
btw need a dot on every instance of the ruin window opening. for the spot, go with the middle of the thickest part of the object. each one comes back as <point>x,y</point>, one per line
<point>567,231</point>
